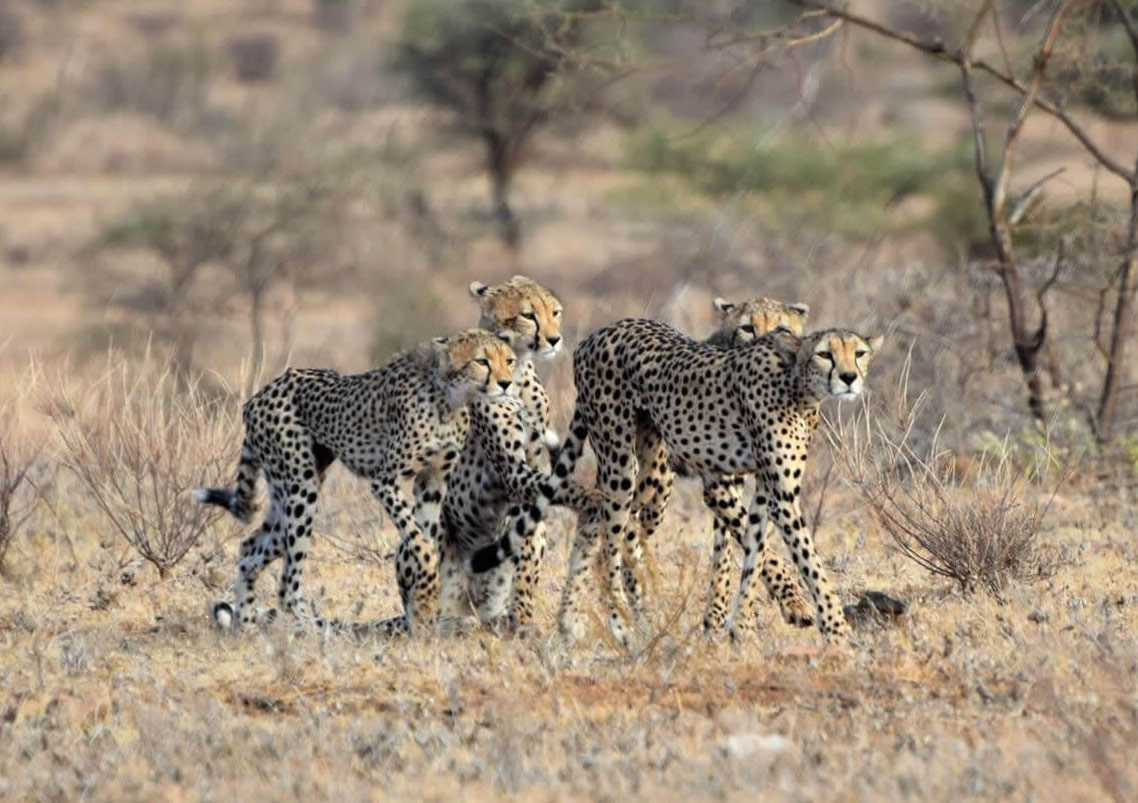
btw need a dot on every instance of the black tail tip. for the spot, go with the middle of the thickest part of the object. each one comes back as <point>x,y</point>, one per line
<point>226,499</point>
<point>490,557</point>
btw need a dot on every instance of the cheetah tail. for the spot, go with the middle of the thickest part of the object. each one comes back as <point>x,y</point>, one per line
<point>239,501</point>
<point>565,458</point>
<point>490,556</point>
<point>509,544</point>
<point>519,523</point>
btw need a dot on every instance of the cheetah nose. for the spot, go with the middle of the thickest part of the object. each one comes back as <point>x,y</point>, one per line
<point>553,340</point>
<point>849,377</point>
<point>504,383</point>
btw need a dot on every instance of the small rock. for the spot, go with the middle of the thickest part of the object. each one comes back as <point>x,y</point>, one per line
<point>745,745</point>
<point>1039,617</point>
<point>876,606</point>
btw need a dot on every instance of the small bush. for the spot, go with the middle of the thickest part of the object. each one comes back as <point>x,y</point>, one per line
<point>139,443</point>
<point>171,83</point>
<point>14,144</point>
<point>11,34</point>
<point>20,134</point>
<point>333,15</point>
<point>979,530</point>
<point>254,56</point>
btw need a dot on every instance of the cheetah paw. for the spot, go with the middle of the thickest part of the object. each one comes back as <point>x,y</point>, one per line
<point>797,613</point>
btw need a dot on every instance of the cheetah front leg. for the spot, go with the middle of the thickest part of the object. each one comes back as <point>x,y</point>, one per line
<point>526,573</point>
<point>784,509</point>
<point>780,583</point>
<point>569,619</point>
<point>416,558</point>
<point>754,545</point>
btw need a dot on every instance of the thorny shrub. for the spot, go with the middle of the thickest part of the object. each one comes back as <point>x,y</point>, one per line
<point>139,441</point>
<point>970,521</point>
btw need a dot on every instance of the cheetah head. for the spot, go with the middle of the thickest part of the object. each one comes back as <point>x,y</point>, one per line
<point>475,361</point>
<point>836,362</point>
<point>522,310</point>
<point>744,321</point>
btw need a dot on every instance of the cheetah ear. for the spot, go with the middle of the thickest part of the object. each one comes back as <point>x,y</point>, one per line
<point>478,289</point>
<point>786,342</point>
<point>517,277</point>
<point>507,337</point>
<point>875,342</point>
<point>440,341</point>
<point>723,305</point>
<point>801,309</point>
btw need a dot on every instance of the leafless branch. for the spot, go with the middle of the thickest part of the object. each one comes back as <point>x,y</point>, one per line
<point>1043,288</point>
<point>1023,203</point>
<point>1012,141</point>
<point>937,49</point>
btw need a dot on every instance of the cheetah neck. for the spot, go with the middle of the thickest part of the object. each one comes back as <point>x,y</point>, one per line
<point>805,398</point>
<point>454,397</point>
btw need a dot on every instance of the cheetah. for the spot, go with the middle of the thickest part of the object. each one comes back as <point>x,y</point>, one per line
<point>749,410</point>
<point>404,420</point>
<point>739,323</point>
<point>480,502</point>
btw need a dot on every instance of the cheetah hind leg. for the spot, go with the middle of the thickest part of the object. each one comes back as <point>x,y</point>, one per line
<point>654,488</point>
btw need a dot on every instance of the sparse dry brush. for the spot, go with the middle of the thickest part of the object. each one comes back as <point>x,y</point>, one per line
<point>19,455</point>
<point>139,441</point>
<point>976,525</point>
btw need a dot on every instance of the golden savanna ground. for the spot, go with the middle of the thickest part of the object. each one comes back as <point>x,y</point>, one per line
<point>114,685</point>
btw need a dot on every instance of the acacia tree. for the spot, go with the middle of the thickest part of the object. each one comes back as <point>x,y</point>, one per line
<point>993,171</point>
<point>493,65</point>
<point>185,234</point>
<point>258,233</point>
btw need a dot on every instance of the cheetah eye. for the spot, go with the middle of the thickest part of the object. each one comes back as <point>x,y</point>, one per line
<point>860,353</point>
<point>781,328</point>
<point>825,355</point>
<point>511,362</point>
<point>485,363</point>
<point>748,328</point>
<point>529,316</point>
<point>557,313</point>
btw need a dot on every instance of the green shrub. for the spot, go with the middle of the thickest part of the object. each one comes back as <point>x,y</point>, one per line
<point>845,188</point>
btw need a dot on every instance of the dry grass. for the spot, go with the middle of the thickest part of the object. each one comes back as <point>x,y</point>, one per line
<point>113,684</point>
<point>20,466</point>
<point>119,687</point>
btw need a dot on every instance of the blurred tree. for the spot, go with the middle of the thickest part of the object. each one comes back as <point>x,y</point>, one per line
<point>259,233</point>
<point>185,234</point>
<point>498,66</point>
<point>1064,38</point>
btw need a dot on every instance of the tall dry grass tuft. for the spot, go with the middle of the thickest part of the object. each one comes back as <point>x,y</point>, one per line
<point>970,521</point>
<point>139,439</point>
<point>19,463</point>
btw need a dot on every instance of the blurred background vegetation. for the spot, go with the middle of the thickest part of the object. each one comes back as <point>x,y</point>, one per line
<point>317,182</point>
